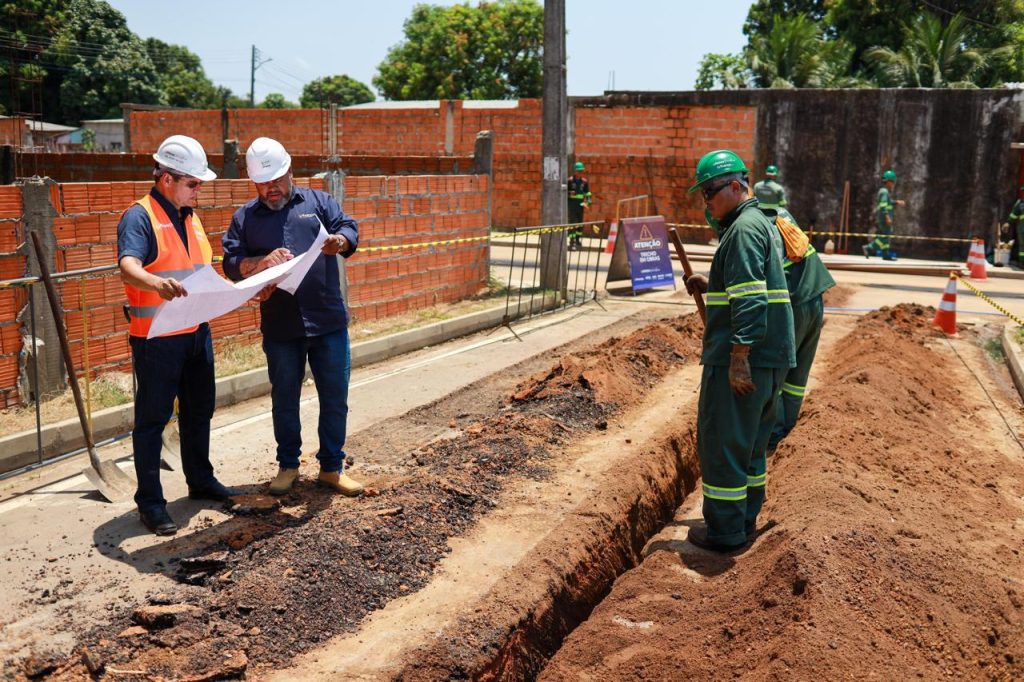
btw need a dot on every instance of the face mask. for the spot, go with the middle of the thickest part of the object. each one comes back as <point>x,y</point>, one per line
<point>713,223</point>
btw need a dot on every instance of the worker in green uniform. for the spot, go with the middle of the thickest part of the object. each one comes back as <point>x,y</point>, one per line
<point>579,197</point>
<point>885,210</point>
<point>1017,221</point>
<point>748,347</point>
<point>807,279</point>
<point>769,193</point>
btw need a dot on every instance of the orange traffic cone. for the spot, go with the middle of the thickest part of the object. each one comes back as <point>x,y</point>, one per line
<point>976,263</point>
<point>613,233</point>
<point>945,316</point>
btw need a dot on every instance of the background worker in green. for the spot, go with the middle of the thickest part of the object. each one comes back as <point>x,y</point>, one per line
<point>579,196</point>
<point>748,347</point>
<point>769,193</point>
<point>885,209</point>
<point>807,279</point>
<point>1017,221</point>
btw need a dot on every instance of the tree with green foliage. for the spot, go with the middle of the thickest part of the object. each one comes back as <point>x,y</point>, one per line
<point>183,82</point>
<point>932,56</point>
<point>26,29</point>
<point>827,43</point>
<point>275,100</point>
<point>104,63</point>
<point>723,71</point>
<point>491,51</point>
<point>342,90</point>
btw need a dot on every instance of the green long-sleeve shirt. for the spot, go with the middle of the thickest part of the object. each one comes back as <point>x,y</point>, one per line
<point>770,194</point>
<point>807,278</point>
<point>885,208</point>
<point>1017,212</point>
<point>748,299</point>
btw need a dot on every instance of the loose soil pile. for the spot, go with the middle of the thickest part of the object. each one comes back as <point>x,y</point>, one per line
<point>279,579</point>
<point>892,546</point>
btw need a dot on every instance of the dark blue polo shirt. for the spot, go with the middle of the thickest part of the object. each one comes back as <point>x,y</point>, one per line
<point>317,307</point>
<point>135,233</point>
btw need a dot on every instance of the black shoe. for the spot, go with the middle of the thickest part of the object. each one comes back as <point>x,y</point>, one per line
<point>158,521</point>
<point>214,490</point>
<point>699,538</point>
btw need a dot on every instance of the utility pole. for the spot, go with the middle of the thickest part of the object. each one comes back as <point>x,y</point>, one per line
<point>554,272</point>
<point>254,64</point>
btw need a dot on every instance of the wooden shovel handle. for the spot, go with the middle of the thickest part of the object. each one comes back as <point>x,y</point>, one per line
<point>688,271</point>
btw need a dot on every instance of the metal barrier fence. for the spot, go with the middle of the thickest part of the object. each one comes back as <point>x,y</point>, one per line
<point>632,207</point>
<point>524,285</point>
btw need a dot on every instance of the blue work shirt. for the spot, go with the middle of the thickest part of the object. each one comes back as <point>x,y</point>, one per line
<point>317,307</point>
<point>135,234</point>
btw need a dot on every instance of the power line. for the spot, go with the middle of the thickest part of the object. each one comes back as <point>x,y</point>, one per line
<point>953,14</point>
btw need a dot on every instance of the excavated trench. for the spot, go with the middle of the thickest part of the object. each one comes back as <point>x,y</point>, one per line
<point>282,578</point>
<point>542,536</point>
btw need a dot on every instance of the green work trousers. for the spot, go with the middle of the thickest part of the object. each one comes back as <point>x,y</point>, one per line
<point>732,438</point>
<point>1020,241</point>
<point>807,320</point>
<point>881,241</point>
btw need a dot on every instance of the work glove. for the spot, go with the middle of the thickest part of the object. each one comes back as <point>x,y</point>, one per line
<point>696,284</point>
<point>739,371</point>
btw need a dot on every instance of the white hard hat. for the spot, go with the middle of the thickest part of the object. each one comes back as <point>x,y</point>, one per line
<point>183,154</point>
<point>266,160</point>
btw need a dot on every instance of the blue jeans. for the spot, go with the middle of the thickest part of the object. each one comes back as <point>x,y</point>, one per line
<point>167,367</point>
<point>331,366</point>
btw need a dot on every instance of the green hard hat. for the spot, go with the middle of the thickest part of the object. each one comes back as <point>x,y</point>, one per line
<point>717,163</point>
<point>889,175</point>
<point>772,170</point>
<point>579,165</point>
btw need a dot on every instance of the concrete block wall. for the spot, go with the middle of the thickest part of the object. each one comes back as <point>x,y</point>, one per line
<point>391,210</point>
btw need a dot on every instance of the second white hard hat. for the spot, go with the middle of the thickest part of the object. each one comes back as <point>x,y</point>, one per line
<point>185,155</point>
<point>266,160</point>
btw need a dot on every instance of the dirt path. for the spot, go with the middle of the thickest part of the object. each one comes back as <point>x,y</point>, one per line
<point>277,579</point>
<point>894,539</point>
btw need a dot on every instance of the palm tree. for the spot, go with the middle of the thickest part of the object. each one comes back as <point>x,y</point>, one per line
<point>788,56</point>
<point>932,56</point>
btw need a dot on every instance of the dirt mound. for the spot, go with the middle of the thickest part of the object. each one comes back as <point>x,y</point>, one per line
<point>282,579</point>
<point>896,551</point>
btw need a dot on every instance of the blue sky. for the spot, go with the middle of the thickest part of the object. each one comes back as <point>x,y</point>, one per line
<point>648,44</point>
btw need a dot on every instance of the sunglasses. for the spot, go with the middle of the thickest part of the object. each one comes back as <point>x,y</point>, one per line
<point>191,184</point>
<point>708,192</point>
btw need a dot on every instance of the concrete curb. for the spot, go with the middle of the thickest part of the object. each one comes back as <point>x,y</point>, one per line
<point>20,449</point>
<point>1014,358</point>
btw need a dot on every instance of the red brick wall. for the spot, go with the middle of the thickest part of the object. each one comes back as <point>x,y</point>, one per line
<point>631,151</point>
<point>628,150</point>
<point>12,300</point>
<point>391,210</point>
<point>104,167</point>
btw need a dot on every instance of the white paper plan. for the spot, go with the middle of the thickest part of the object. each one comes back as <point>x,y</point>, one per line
<point>210,295</point>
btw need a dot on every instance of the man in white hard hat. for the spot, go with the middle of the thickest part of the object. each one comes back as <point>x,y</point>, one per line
<point>160,241</point>
<point>311,325</point>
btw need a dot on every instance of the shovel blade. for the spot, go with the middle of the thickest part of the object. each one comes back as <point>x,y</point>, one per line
<point>112,483</point>
<point>170,454</point>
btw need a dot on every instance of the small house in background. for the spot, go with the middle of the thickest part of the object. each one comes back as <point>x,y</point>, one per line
<point>108,134</point>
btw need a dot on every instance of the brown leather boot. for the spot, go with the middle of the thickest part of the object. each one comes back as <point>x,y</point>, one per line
<point>341,482</point>
<point>284,481</point>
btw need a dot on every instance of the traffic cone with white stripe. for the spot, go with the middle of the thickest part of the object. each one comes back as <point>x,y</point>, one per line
<point>613,233</point>
<point>945,316</point>
<point>976,263</point>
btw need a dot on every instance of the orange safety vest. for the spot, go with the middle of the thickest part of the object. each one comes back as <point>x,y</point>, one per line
<point>171,261</point>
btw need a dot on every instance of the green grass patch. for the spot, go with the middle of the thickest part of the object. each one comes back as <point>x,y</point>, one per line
<point>994,348</point>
